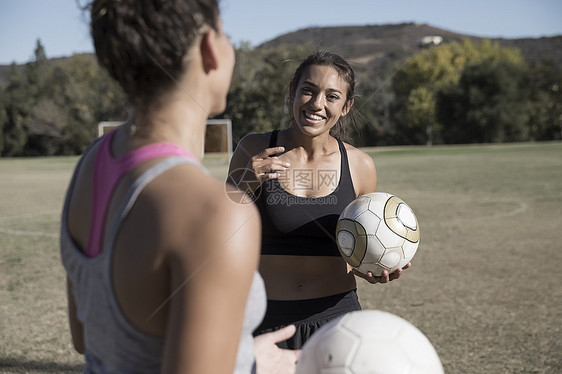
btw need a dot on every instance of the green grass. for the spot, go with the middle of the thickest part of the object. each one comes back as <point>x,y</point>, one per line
<point>485,286</point>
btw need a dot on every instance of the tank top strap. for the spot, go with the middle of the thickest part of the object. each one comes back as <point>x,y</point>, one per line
<point>138,186</point>
<point>108,171</point>
<point>344,159</point>
<point>345,180</point>
<point>273,139</point>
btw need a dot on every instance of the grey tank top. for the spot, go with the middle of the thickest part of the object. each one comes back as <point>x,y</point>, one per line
<point>113,344</point>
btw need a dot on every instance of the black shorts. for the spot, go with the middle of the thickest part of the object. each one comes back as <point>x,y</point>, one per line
<point>307,315</point>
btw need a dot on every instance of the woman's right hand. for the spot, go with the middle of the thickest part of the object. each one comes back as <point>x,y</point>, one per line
<point>252,163</point>
<point>266,165</point>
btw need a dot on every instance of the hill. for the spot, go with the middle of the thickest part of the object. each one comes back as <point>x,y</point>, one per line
<point>375,47</point>
<point>5,69</point>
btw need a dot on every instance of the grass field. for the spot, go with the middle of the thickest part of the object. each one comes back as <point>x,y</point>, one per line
<point>485,286</point>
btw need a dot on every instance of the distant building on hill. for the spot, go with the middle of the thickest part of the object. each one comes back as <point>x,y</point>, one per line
<point>430,40</point>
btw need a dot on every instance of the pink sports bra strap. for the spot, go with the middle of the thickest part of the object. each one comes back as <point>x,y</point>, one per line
<point>107,173</point>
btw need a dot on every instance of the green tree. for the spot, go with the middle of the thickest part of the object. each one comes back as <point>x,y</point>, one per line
<point>3,120</point>
<point>3,117</point>
<point>24,88</point>
<point>417,84</point>
<point>545,86</point>
<point>36,72</point>
<point>45,127</point>
<point>64,119</point>
<point>371,111</point>
<point>489,104</point>
<point>52,107</point>
<point>88,96</point>
<point>15,103</point>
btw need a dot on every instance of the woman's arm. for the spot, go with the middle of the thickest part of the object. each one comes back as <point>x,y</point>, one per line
<point>363,171</point>
<point>210,280</point>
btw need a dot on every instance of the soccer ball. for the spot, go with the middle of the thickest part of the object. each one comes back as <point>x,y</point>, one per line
<point>369,342</point>
<point>377,231</point>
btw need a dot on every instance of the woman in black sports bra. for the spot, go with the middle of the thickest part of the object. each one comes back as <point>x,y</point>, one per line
<point>301,179</point>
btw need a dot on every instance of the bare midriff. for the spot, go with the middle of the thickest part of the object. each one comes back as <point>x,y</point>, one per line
<point>305,277</point>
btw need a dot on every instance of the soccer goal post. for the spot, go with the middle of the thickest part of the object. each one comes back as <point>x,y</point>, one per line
<point>106,126</point>
<point>218,135</point>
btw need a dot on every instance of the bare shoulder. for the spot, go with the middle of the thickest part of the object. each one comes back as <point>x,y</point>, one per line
<point>256,139</point>
<point>358,158</point>
<point>363,170</point>
<point>201,215</point>
<point>249,146</point>
<point>252,144</point>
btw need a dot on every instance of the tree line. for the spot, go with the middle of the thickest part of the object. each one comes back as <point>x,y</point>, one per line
<point>458,92</point>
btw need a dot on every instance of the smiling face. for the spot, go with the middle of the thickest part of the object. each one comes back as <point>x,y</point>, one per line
<point>319,100</point>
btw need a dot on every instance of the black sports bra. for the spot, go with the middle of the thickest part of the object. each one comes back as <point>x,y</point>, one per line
<point>304,226</point>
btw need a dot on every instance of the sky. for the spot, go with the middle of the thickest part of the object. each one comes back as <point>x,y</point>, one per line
<point>63,28</point>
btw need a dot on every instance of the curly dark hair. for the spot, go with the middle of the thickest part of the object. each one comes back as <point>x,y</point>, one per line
<point>325,58</point>
<point>143,43</point>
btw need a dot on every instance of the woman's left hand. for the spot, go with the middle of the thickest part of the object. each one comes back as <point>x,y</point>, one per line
<point>384,277</point>
<point>270,359</point>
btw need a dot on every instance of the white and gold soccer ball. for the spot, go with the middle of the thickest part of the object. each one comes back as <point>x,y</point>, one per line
<point>369,342</point>
<point>377,231</point>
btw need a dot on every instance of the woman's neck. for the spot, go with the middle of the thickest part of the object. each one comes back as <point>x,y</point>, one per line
<point>310,147</point>
<point>174,122</point>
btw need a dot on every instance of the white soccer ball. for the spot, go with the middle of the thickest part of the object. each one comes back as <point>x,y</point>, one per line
<point>376,232</point>
<point>369,342</point>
